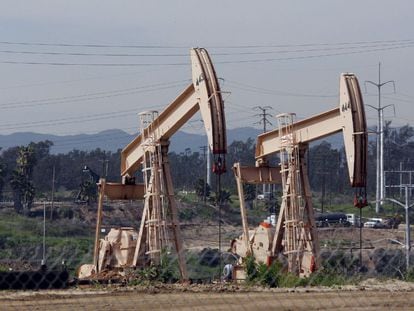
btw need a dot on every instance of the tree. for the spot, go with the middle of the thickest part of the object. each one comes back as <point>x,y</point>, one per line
<point>325,168</point>
<point>249,194</point>
<point>43,170</point>
<point>202,188</point>
<point>22,180</point>
<point>2,177</point>
<point>223,198</point>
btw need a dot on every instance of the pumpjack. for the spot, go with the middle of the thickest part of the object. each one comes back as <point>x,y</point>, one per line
<point>295,236</point>
<point>159,227</point>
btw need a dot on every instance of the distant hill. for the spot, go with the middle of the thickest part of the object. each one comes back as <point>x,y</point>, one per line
<point>112,140</point>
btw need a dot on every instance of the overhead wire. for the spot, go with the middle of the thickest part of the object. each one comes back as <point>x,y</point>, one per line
<point>252,88</point>
<point>61,44</point>
<point>370,45</point>
<point>89,140</point>
<point>259,60</point>
<point>68,120</point>
<point>79,79</point>
<point>106,137</point>
<point>110,136</point>
<point>92,96</point>
<point>399,99</point>
<point>266,60</point>
<point>401,44</point>
<point>404,95</point>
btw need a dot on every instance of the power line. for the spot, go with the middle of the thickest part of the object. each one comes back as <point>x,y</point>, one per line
<point>103,137</point>
<point>252,88</point>
<point>264,60</point>
<point>261,60</point>
<point>399,99</point>
<point>97,77</point>
<point>61,44</point>
<point>348,47</point>
<point>91,54</point>
<point>92,45</point>
<point>92,64</point>
<point>89,140</point>
<point>69,120</point>
<point>92,96</point>
<point>310,44</point>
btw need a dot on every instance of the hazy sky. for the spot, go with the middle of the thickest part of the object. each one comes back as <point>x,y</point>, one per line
<point>283,54</point>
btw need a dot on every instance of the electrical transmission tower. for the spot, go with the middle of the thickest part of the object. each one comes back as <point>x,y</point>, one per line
<point>263,120</point>
<point>380,189</point>
<point>263,116</point>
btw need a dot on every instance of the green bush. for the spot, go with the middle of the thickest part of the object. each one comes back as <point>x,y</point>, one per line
<point>165,272</point>
<point>269,276</point>
<point>186,214</point>
<point>330,274</point>
<point>325,277</point>
<point>261,273</point>
<point>292,280</point>
<point>409,276</point>
<point>250,268</point>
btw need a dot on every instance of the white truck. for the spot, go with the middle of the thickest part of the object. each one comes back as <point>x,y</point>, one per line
<point>354,220</point>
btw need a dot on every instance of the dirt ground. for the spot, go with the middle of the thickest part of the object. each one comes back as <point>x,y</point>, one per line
<point>375,296</point>
<point>201,235</point>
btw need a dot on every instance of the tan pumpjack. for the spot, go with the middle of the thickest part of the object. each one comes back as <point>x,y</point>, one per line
<point>160,227</point>
<point>295,234</point>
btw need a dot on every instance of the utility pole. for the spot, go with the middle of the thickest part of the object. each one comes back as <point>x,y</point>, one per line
<point>380,140</point>
<point>401,178</point>
<point>323,189</point>
<point>53,192</point>
<point>43,264</point>
<point>208,181</point>
<point>407,207</point>
<point>263,120</point>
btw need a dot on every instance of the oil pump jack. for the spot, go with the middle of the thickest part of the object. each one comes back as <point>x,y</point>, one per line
<point>295,236</point>
<point>159,227</point>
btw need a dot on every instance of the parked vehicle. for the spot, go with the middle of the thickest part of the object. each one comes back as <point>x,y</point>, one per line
<point>374,223</point>
<point>332,219</point>
<point>354,220</point>
<point>264,196</point>
<point>381,225</point>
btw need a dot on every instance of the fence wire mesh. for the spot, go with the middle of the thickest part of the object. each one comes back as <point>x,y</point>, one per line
<point>375,276</point>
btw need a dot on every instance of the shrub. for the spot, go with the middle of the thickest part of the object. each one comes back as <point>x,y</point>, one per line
<point>250,268</point>
<point>165,272</point>
<point>261,273</point>
<point>390,262</point>
<point>409,276</point>
<point>292,280</point>
<point>326,277</point>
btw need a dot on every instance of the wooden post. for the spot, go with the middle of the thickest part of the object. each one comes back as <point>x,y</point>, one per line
<point>102,183</point>
<point>280,225</point>
<point>311,224</point>
<point>143,229</point>
<point>243,212</point>
<point>175,223</point>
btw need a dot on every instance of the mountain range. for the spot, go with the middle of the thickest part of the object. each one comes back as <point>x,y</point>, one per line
<point>114,139</point>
